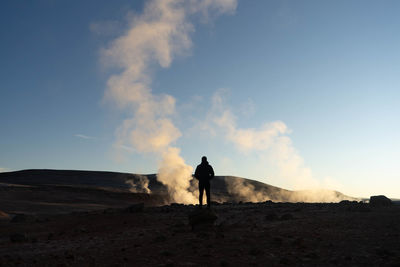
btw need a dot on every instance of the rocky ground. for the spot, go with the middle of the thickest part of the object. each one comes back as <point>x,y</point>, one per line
<point>246,234</point>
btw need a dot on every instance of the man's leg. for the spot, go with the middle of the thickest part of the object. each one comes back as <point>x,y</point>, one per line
<point>208,194</point>
<point>201,189</point>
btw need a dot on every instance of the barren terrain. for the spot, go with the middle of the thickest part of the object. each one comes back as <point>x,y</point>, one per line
<point>110,228</point>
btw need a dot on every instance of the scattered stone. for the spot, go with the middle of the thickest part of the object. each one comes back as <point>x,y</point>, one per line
<point>255,251</point>
<point>383,252</point>
<point>82,230</point>
<point>42,220</point>
<point>298,242</point>
<point>287,216</point>
<point>278,241</point>
<point>214,203</point>
<point>312,255</point>
<point>272,216</point>
<point>110,211</point>
<point>139,207</point>
<point>380,201</point>
<point>69,256</point>
<point>177,205</point>
<point>284,261</point>
<point>160,238</point>
<point>347,202</point>
<point>348,258</point>
<point>204,217</point>
<point>166,253</point>
<point>18,237</point>
<point>21,218</point>
<point>50,236</point>
<point>179,225</point>
<point>223,263</point>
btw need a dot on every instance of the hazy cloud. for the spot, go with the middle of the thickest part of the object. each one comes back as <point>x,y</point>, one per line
<point>248,108</point>
<point>87,137</point>
<point>105,28</point>
<point>270,142</point>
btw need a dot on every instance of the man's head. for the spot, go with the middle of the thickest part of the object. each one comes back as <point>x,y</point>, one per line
<point>204,159</point>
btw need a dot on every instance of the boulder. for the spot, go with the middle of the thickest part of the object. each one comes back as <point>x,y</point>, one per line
<point>380,201</point>
<point>202,217</point>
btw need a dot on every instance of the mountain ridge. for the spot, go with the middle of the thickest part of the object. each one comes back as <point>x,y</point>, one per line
<point>224,188</point>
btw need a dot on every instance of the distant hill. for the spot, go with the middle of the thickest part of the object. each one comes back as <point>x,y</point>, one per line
<point>224,188</point>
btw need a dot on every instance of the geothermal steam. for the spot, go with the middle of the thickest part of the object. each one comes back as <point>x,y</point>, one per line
<point>155,37</point>
<point>140,184</point>
<point>274,149</point>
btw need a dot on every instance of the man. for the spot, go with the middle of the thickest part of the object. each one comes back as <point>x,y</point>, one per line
<point>204,173</point>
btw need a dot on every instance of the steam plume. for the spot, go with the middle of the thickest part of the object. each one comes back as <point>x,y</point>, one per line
<point>155,37</point>
<point>273,146</point>
<point>242,190</point>
<point>140,184</point>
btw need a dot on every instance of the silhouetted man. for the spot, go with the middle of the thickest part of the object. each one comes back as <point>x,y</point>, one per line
<point>204,173</point>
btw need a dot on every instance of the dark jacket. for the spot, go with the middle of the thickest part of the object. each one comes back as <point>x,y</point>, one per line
<point>204,172</point>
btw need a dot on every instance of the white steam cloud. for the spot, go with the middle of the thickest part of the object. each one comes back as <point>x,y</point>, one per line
<point>270,141</point>
<point>156,36</point>
<point>140,184</point>
<point>275,150</point>
<point>242,190</point>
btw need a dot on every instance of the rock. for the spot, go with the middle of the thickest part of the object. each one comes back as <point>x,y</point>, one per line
<point>347,202</point>
<point>287,216</point>
<point>214,203</point>
<point>166,253</point>
<point>110,211</point>
<point>380,201</point>
<point>255,251</point>
<point>277,241</point>
<point>139,207</point>
<point>205,217</point>
<point>160,238</point>
<point>223,263</point>
<point>176,205</point>
<point>272,216</point>
<point>18,237</point>
<point>20,218</point>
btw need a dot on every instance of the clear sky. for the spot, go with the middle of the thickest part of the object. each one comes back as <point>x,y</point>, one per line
<point>291,93</point>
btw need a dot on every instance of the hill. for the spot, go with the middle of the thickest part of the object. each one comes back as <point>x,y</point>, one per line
<point>60,191</point>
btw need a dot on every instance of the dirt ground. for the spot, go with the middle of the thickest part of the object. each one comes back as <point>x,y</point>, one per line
<point>264,234</point>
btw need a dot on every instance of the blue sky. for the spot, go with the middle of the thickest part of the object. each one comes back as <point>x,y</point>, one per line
<point>328,70</point>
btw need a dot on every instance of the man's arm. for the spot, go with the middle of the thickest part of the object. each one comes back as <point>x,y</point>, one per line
<point>196,173</point>
<point>211,170</point>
